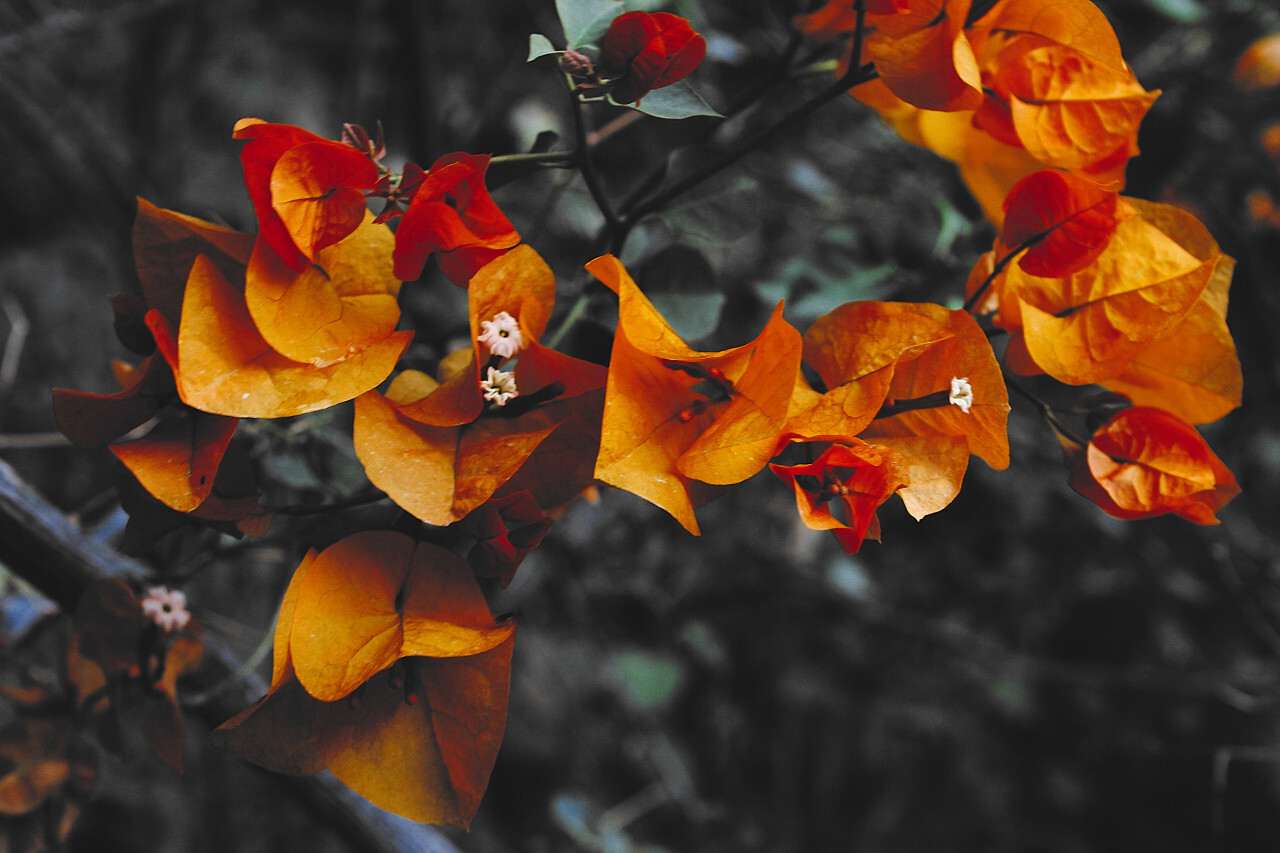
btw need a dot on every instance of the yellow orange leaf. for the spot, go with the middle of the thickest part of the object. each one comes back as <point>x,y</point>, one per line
<point>855,349</point>
<point>427,761</point>
<point>378,596</point>
<point>343,303</point>
<point>418,738</point>
<point>1192,372</point>
<point>1088,326</point>
<point>439,474</point>
<point>675,417</point>
<point>1074,112</point>
<point>924,57</point>
<point>223,366</point>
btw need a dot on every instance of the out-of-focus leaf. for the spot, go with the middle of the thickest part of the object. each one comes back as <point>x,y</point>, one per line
<point>539,45</point>
<point>585,21</point>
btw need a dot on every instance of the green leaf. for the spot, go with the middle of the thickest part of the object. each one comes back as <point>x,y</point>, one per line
<point>585,21</point>
<point>692,315</point>
<point>1182,11</point>
<point>539,45</point>
<point>648,681</point>
<point>678,100</point>
<point>717,214</point>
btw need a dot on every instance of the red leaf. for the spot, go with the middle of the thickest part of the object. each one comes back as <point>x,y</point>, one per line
<point>1066,221</point>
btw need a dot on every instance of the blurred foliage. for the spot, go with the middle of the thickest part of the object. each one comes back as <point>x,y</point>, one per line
<point>1017,673</point>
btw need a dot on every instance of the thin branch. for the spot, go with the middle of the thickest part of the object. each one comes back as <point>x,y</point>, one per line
<point>854,76</point>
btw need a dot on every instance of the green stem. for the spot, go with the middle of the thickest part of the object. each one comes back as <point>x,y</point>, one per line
<point>564,159</point>
<point>575,314</point>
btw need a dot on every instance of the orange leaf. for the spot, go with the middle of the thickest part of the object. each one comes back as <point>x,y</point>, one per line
<point>344,303</point>
<point>90,420</point>
<point>418,738</point>
<point>1192,372</point>
<point>317,191</point>
<point>223,366</point>
<point>427,761</point>
<point>1070,110</point>
<point>931,371</point>
<point>1258,67</point>
<point>378,596</point>
<point>439,474</point>
<point>924,56</point>
<point>675,417</point>
<point>854,349</point>
<point>1090,325</point>
<point>934,467</point>
<point>177,461</point>
<point>165,245</point>
<point>1146,462</point>
<point>266,144</point>
<point>518,282</point>
<point>453,217</point>
<point>1075,23</point>
<point>860,476</point>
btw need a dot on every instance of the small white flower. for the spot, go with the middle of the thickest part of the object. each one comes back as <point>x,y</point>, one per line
<point>499,387</point>
<point>167,608</point>
<point>961,394</point>
<point>501,335</point>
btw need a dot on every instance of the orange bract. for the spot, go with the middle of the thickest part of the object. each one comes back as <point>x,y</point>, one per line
<point>859,476</point>
<point>224,366</point>
<point>1146,462</point>
<point>1089,326</point>
<point>343,303</point>
<point>317,191</point>
<point>677,421</point>
<point>418,737</point>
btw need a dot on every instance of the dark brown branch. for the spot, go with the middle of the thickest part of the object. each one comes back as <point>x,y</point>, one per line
<point>41,545</point>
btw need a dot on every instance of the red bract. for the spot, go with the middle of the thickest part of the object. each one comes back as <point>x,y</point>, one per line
<point>307,191</point>
<point>453,216</point>
<point>643,51</point>
<point>860,476</point>
<point>1146,462</point>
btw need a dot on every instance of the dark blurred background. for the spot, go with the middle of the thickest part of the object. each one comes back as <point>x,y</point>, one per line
<point>1017,673</point>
